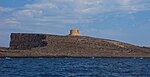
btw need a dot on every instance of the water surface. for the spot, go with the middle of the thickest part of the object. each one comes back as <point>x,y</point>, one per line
<point>74,67</point>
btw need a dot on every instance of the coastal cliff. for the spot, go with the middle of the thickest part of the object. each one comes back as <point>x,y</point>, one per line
<point>44,45</point>
<point>27,41</point>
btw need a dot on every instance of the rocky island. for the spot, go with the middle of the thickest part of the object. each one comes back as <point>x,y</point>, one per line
<point>72,45</point>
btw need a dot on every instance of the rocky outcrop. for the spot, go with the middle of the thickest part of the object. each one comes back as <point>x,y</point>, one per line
<point>27,41</point>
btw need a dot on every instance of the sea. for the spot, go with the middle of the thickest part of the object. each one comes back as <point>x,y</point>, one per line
<point>74,67</point>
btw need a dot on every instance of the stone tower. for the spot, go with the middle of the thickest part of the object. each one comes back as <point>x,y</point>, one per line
<point>74,32</point>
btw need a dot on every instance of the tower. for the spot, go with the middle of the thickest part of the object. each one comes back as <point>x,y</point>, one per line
<point>74,32</point>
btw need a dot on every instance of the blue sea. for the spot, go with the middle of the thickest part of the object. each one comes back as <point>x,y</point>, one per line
<point>74,67</point>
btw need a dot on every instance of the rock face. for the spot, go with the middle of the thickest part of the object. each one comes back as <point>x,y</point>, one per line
<point>27,41</point>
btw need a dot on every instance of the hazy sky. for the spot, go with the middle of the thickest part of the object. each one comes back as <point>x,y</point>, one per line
<point>123,20</point>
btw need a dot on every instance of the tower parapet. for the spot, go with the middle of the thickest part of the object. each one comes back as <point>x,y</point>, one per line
<point>74,32</point>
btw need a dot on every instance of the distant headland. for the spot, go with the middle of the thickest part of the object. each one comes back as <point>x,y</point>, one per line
<point>72,45</point>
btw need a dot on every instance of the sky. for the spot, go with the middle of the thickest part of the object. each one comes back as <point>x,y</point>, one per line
<point>122,20</point>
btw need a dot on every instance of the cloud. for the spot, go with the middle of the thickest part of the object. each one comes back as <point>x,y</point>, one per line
<point>40,6</point>
<point>27,13</point>
<point>104,6</point>
<point>9,22</point>
<point>134,5</point>
<point>74,12</point>
<point>2,9</point>
<point>82,8</point>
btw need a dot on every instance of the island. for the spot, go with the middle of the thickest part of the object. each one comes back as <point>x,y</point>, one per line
<point>26,45</point>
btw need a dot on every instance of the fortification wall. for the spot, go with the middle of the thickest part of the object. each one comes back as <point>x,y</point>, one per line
<point>27,41</point>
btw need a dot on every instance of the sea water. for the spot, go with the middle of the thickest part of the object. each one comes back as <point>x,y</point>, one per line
<point>74,67</point>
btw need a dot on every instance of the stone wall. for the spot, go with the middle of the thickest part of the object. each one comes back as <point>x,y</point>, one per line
<point>27,41</point>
